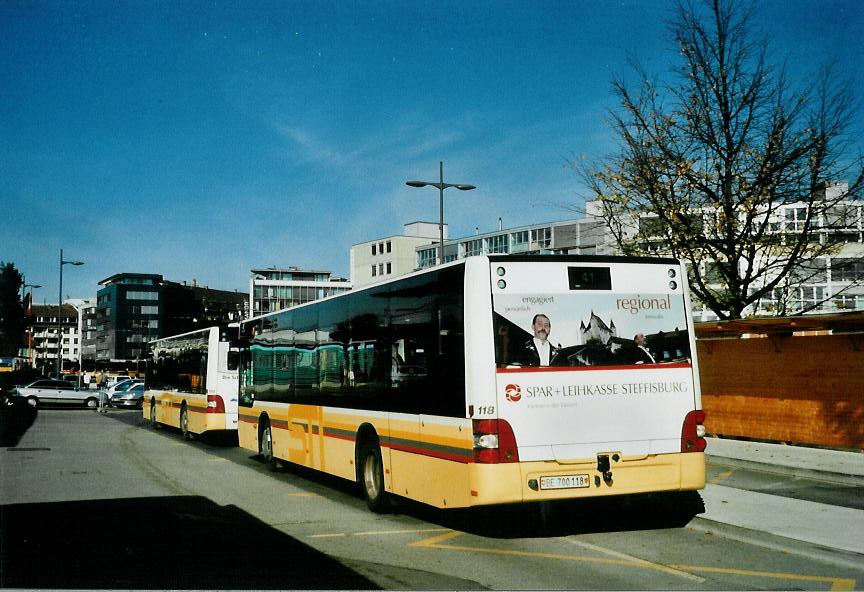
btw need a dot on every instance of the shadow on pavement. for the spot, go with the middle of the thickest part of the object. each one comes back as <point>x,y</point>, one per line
<point>568,517</point>
<point>16,417</point>
<point>157,543</point>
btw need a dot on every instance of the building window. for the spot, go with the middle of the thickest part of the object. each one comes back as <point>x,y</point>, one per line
<point>426,258</point>
<point>374,270</point>
<point>374,248</point>
<point>389,269</point>
<point>473,247</point>
<point>542,237</point>
<point>388,246</point>
<point>520,240</point>
<point>380,269</point>
<point>496,244</point>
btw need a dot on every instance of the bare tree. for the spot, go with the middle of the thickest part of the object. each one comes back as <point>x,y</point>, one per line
<point>706,161</point>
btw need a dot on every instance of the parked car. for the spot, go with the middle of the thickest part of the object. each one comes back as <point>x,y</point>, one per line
<point>50,391</point>
<point>122,386</point>
<point>131,397</point>
<point>115,380</point>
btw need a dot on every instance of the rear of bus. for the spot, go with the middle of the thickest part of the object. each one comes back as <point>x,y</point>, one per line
<point>612,404</point>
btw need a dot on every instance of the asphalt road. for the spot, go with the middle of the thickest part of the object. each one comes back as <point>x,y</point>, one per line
<point>104,501</point>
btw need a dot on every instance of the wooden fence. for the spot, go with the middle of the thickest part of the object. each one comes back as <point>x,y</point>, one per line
<point>803,389</point>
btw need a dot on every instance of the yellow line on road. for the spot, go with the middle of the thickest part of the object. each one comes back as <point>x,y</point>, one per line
<point>836,583</point>
<point>435,543</point>
<point>302,494</point>
<point>722,476</point>
<point>636,560</point>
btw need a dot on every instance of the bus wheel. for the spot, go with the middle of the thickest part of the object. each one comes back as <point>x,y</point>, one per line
<point>91,403</point>
<point>33,402</point>
<point>153,422</point>
<point>266,447</point>
<point>370,477</point>
<point>184,423</point>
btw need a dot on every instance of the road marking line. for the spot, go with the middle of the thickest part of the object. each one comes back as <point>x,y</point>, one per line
<point>636,560</point>
<point>412,531</point>
<point>302,494</point>
<point>435,543</point>
<point>836,583</point>
<point>722,476</point>
<point>379,532</point>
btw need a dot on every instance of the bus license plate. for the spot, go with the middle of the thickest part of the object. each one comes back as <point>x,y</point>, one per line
<point>564,482</point>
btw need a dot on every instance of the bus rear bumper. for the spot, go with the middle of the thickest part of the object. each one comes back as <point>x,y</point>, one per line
<point>551,480</point>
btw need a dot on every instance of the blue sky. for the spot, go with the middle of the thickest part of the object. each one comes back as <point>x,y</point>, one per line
<point>201,139</point>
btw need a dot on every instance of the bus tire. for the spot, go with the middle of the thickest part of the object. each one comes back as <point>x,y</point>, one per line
<point>33,402</point>
<point>184,422</point>
<point>370,476</point>
<point>265,445</point>
<point>91,402</point>
<point>153,423</point>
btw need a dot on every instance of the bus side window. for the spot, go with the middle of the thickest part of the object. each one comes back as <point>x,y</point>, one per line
<point>233,360</point>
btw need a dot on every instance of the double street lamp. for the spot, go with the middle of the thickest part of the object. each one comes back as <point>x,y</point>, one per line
<point>59,317</point>
<point>441,185</point>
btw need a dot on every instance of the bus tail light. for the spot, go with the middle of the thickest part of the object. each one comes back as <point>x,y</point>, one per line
<point>494,442</point>
<point>693,432</point>
<point>215,404</point>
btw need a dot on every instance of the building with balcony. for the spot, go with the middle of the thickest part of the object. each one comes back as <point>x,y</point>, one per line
<point>273,289</point>
<point>44,336</point>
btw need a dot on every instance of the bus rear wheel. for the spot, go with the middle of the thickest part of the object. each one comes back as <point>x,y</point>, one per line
<point>370,477</point>
<point>184,423</point>
<point>265,445</point>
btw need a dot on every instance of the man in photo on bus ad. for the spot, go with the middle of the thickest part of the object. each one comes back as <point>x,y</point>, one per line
<point>639,353</point>
<point>538,351</point>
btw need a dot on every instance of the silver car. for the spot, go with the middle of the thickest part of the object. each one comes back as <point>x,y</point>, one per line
<point>47,391</point>
<point>131,397</point>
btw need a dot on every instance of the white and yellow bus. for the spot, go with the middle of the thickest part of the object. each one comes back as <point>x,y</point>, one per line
<point>192,381</point>
<point>431,387</point>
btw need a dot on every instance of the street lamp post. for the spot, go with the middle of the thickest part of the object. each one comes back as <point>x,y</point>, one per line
<point>59,317</point>
<point>30,327</point>
<point>441,185</point>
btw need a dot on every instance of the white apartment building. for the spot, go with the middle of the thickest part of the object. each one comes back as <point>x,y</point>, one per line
<point>384,258</point>
<point>836,286</point>
<point>586,236</point>
<point>45,337</point>
<point>273,289</point>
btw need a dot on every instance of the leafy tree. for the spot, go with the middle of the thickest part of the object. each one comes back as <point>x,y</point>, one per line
<point>706,160</point>
<point>11,310</point>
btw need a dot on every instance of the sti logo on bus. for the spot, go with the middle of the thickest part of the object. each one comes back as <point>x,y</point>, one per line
<point>513,392</point>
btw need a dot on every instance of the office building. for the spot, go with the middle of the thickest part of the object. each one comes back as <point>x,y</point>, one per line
<point>381,259</point>
<point>272,289</point>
